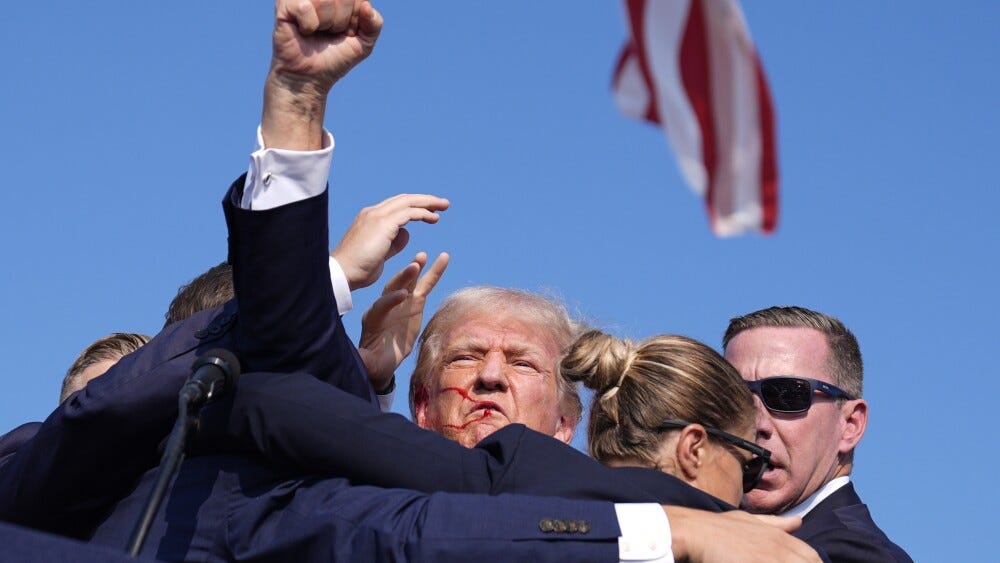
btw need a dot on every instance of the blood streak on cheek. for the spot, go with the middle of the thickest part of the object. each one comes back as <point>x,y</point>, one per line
<point>460,391</point>
<point>486,414</point>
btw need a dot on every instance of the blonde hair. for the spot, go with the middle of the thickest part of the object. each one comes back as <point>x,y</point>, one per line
<point>638,386</point>
<point>114,346</point>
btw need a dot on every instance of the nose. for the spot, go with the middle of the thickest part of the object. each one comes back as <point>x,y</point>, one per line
<point>491,376</point>
<point>765,427</point>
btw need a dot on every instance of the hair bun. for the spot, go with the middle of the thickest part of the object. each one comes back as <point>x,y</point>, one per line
<point>597,359</point>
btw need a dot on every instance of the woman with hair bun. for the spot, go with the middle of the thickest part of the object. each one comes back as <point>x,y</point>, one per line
<point>669,403</point>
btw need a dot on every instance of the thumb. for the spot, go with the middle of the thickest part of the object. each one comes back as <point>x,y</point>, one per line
<point>784,523</point>
<point>398,243</point>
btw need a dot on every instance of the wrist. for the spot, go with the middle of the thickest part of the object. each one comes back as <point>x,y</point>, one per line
<point>678,535</point>
<point>345,266</point>
<point>293,113</point>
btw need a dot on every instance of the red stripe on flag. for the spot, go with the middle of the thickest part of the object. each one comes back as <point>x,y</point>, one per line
<point>636,10</point>
<point>695,75</point>
<point>769,153</point>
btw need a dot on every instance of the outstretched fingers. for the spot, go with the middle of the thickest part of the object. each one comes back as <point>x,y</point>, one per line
<point>406,278</point>
<point>430,279</point>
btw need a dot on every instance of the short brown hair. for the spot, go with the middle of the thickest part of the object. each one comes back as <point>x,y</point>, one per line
<point>210,289</point>
<point>638,386</point>
<point>537,309</point>
<point>112,347</point>
<point>845,362</point>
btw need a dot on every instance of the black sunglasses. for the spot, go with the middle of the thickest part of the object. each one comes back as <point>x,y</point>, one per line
<point>753,468</point>
<point>790,395</point>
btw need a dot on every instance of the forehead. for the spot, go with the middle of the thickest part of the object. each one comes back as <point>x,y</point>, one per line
<point>502,330</point>
<point>768,351</point>
<point>95,370</point>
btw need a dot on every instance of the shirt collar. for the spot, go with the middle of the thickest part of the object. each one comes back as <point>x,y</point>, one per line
<point>810,503</point>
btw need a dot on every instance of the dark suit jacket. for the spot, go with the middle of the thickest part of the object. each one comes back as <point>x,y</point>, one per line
<point>21,545</point>
<point>229,508</point>
<point>13,440</point>
<point>92,448</point>
<point>841,528</point>
<point>307,425</point>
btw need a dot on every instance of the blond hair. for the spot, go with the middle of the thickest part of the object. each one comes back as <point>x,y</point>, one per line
<point>638,386</point>
<point>113,347</point>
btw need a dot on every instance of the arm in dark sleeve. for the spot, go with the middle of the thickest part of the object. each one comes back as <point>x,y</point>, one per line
<point>329,521</point>
<point>288,319</point>
<point>299,422</point>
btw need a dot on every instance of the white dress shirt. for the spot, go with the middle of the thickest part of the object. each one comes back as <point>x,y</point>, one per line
<point>812,500</point>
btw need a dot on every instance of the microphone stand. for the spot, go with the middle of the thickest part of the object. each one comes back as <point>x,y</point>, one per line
<point>173,455</point>
<point>214,373</point>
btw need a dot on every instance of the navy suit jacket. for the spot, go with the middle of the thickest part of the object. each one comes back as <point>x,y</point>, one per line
<point>230,508</point>
<point>92,448</point>
<point>13,440</point>
<point>841,528</point>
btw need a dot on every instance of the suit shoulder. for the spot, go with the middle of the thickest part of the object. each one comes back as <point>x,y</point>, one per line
<point>849,534</point>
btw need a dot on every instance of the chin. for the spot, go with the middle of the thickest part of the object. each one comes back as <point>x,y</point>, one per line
<point>763,502</point>
<point>476,433</point>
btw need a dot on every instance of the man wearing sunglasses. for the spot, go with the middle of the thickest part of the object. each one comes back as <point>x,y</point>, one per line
<point>805,369</point>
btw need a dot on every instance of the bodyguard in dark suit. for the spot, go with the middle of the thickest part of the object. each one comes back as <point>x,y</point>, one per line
<point>806,370</point>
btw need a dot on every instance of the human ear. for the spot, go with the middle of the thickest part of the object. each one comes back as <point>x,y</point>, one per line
<point>691,450</point>
<point>564,430</point>
<point>854,415</point>
<point>420,407</point>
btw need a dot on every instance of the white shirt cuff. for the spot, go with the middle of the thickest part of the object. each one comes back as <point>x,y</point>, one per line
<point>278,177</point>
<point>385,401</point>
<point>645,533</point>
<point>341,290</point>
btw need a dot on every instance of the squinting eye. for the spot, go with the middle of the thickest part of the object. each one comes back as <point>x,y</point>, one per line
<point>461,359</point>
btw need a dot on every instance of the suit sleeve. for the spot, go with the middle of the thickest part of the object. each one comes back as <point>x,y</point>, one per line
<point>299,422</point>
<point>327,521</point>
<point>288,318</point>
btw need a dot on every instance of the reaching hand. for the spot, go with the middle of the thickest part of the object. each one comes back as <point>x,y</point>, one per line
<point>391,326</point>
<point>698,535</point>
<point>377,234</point>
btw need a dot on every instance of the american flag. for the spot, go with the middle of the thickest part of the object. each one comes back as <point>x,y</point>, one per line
<point>690,66</point>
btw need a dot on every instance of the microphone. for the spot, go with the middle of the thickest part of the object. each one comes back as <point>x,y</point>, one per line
<point>213,374</point>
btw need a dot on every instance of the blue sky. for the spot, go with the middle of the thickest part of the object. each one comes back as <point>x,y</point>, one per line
<point>123,124</point>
